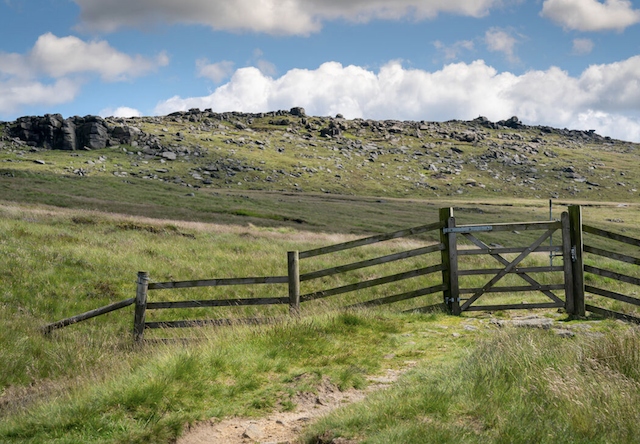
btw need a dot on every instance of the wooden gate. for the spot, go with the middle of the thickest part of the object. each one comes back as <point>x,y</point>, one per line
<point>465,264</point>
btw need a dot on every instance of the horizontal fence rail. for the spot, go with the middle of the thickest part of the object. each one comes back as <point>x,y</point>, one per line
<point>613,275</point>
<point>370,240</point>
<point>371,262</point>
<point>370,283</point>
<point>88,315</point>
<point>219,282</point>
<point>449,251</point>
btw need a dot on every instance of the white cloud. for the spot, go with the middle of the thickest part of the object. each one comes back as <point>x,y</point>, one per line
<point>122,111</point>
<point>499,40</point>
<point>15,94</point>
<point>591,15</point>
<point>582,46</point>
<point>217,72</point>
<point>451,52</point>
<point>64,59</point>
<point>299,17</point>
<point>58,57</point>
<point>603,97</point>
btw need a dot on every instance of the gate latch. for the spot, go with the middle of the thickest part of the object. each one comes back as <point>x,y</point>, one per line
<point>574,255</point>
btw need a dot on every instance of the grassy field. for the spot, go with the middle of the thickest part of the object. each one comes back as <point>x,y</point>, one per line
<point>88,383</point>
<point>73,242</point>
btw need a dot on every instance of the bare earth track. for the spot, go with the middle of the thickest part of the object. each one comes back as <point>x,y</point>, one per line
<point>286,427</point>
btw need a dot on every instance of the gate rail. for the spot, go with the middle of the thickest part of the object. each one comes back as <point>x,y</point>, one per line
<point>571,249</point>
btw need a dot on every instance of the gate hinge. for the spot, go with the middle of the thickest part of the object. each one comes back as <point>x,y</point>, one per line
<point>451,300</point>
<point>574,254</point>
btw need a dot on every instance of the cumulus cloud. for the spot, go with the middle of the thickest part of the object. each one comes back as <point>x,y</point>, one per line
<point>603,97</point>
<point>499,40</point>
<point>122,111</point>
<point>216,72</point>
<point>61,59</point>
<point>591,15</point>
<point>293,17</point>
<point>16,93</point>
<point>451,52</point>
<point>582,46</point>
<point>58,57</point>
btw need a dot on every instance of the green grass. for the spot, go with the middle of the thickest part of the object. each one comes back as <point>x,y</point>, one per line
<point>71,243</point>
<point>515,387</point>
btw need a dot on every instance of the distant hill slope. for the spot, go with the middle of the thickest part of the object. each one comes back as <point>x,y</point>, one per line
<point>290,152</point>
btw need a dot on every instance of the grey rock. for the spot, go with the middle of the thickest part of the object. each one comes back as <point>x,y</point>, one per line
<point>169,155</point>
<point>298,111</point>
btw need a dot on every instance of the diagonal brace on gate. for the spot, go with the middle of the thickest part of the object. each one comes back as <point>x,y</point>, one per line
<point>504,261</point>
<point>507,269</point>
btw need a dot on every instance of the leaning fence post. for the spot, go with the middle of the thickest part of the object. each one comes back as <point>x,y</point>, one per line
<point>293,260</point>
<point>449,259</point>
<point>577,246</point>
<point>141,306</point>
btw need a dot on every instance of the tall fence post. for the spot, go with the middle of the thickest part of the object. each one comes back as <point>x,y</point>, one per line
<point>293,262</point>
<point>449,259</point>
<point>141,306</point>
<point>567,264</point>
<point>575,218</point>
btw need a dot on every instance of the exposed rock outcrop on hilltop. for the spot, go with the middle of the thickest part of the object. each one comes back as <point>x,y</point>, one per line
<point>292,151</point>
<point>52,131</point>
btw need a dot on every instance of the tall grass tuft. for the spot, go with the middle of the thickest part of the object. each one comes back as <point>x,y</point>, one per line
<point>517,387</point>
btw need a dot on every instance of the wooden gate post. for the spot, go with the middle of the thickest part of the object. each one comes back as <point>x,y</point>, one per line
<point>141,306</point>
<point>567,263</point>
<point>449,259</point>
<point>293,260</point>
<point>575,217</point>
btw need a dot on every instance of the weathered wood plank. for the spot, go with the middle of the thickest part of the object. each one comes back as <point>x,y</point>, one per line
<point>219,282</point>
<point>577,259</point>
<point>516,289</point>
<point>370,240</point>
<point>507,250</point>
<point>371,262</point>
<point>216,303</point>
<point>209,322</point>
<point>569,299</point>
<point>87,315</point>
<point>612,314</point>
<point>508,268</point>
<point>515,306</point>
<point>522,270</point>
<point>449,260</point>
<point>399,297</point>
<point>371,283</point>
<point>611,255</point>
<point>528,279</point>
<point>141,306</point>
<point>519,226</point>
<point>610,274</point>
<point>293,270</point>
<point>610,235</point>
<point>612,295</point>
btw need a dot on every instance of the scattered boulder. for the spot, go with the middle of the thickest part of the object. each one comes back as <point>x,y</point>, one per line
<point>298,111</point>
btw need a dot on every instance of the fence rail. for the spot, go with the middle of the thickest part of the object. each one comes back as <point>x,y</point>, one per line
<point>450,251</point>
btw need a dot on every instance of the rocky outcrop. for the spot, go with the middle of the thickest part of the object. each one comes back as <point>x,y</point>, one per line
<point>51,131</point>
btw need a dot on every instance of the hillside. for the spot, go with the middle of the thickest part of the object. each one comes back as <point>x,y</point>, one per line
<point>200,153</point>
<point>86,202</point>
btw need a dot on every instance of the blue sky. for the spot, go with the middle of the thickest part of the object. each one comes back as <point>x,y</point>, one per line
<point>564,63</point>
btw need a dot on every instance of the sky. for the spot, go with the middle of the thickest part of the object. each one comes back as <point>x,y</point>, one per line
<point>563,63</point>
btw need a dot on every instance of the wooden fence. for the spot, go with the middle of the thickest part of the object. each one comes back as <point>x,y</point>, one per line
<point>564,284</point>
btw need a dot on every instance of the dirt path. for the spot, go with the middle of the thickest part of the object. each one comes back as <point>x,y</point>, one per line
<point>285,427</point>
